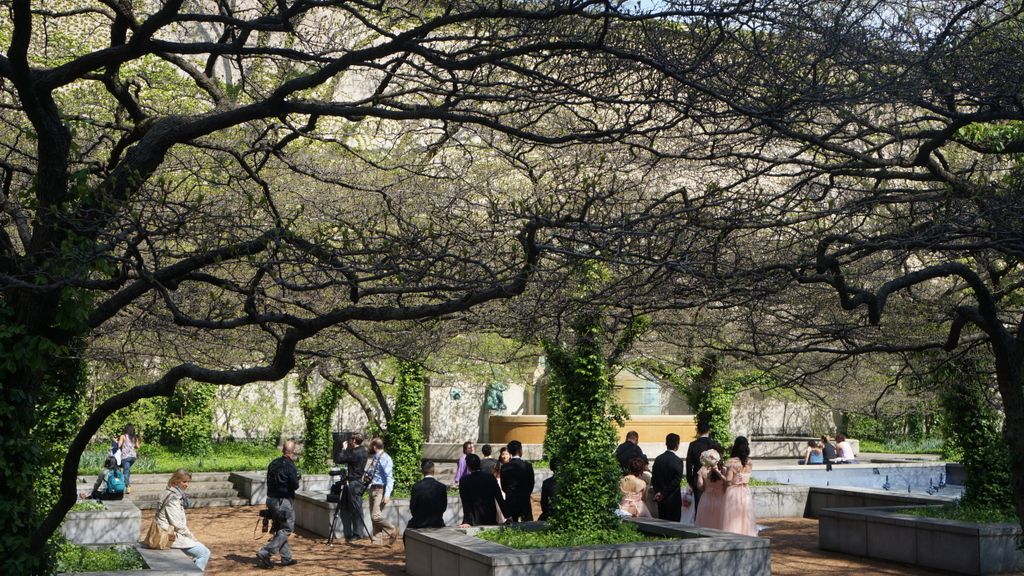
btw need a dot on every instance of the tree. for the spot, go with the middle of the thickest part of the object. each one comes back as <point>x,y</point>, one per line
<point>886,143</point>
<point>263,172</point>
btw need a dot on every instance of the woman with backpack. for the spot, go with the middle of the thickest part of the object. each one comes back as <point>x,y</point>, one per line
<point>110,484</point>
<point>128,442</point>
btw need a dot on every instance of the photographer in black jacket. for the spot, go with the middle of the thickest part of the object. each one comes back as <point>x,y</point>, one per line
<point>282,482</point>
<point>351,500</point>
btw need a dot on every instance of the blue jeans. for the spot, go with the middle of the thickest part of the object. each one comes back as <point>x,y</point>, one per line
<point>199,553</point>
<point>126,463</point>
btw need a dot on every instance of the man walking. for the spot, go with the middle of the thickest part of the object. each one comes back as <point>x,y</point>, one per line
<point>628,450</point>
<point>351,502</point>
<point>480,495</point>
<point>517,480</point>
<point>282,482</point>
<point>667,476</point>
<point>380,477</point>
<point>696,448</point>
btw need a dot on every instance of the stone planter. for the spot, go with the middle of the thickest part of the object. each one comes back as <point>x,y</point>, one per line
<point>820,499</point>
<point>780,501</point>
<point>457,552</point>
<point>120,522</point>
<point>885,534</point>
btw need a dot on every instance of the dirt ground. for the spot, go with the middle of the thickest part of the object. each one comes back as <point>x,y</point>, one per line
<point>229,533</point>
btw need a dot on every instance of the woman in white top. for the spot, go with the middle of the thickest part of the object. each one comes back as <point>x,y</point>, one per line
<point>128,442</point>
<point>171,516</point>
<point>845,450</point>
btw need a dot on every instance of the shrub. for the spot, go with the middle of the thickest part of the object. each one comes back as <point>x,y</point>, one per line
<point>187,425</point>
<point>318,413</point>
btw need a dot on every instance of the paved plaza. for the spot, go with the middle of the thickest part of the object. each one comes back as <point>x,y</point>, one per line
<point>229,534</point>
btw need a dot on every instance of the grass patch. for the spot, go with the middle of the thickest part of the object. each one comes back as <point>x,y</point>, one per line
<point>523,539</point>
<point>756,482</point>
<point>154,458</point>
<point>976,514</point>
<point>74,558</point>
<point>87,506</point>
<point>924,446</point>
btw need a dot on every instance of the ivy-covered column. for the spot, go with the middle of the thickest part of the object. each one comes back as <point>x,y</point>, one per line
<point>580,425</point>
<point>404,437</point>
<point>318,413</point>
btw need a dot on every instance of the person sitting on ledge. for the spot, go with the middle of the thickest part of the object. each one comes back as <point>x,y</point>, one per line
<point>813,453</point>
<point>845,450</point>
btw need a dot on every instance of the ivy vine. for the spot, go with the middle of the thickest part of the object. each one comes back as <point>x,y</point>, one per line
<point>404,435</point>
<point>318,414</point>
<point>580,425</point>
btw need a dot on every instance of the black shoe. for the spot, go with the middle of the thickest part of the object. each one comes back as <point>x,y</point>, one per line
<point>289,562</point>
<point>263,561</point>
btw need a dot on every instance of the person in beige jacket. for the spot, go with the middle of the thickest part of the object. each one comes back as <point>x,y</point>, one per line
<point>171,516</point>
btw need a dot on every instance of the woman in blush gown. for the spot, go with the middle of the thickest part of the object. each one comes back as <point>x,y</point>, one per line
<point>711,483</point>
<point>632,489</point>
<point>738,508</point>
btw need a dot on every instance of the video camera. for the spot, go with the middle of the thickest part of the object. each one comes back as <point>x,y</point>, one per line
<point>334,495</point>
<point>267,516</point>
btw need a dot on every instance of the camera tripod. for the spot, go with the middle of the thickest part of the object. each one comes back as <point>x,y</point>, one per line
<point>347,499</point>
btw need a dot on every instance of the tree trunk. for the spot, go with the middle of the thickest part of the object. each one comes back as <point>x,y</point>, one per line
<point>1009,371</point>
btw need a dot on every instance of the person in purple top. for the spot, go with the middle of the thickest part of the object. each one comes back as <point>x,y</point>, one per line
<point>461,470</point>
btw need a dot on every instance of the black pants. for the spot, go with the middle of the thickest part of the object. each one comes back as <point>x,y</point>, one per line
<point>671,505</point>
<point>350,509</point>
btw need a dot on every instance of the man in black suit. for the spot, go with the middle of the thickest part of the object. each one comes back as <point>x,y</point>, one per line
<point>428,500</point>
<point>517,480</point>
<point>628,450</point>
<point>547,492</point>
<point>697,447</point>
<point>667,476</point>
<point>480,496</point>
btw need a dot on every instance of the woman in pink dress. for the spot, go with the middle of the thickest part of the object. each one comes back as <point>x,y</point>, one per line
<point>711,482</point>
<point>632,489</point>
<point>738,509</point>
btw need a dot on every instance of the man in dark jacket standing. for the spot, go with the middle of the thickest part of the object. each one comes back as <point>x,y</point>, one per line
<point>517,480</point>
<point>282,482</point>
<point>696,448</point>
<point>628,450</point>
<point>480,496</point>
<point>428,500</point>
<point>667,477</point>
<point>354,457</point>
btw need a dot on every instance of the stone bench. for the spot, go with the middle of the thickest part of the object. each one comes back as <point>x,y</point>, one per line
<point>120,522</point>
<point>172,562</point>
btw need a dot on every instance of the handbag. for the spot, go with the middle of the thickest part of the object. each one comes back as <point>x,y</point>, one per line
<point>157,538</point>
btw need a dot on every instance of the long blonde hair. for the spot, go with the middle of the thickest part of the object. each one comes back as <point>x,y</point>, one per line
<point>179,475</point>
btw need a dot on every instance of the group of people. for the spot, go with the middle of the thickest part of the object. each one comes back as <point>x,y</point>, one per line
<point>493,490</point>
<point>824,452</point>
<point>115,479</point>
<point>717,491</point>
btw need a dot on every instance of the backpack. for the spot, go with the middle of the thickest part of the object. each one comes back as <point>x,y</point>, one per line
<point>115,482</point>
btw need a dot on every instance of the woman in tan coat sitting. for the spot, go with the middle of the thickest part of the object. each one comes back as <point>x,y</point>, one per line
<point>170,516</point>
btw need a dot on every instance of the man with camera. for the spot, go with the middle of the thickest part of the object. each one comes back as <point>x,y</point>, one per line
<point>350,501</point>
<point>380,477</point>
<point>282,482</point>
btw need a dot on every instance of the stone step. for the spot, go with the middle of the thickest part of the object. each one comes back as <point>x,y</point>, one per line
<point>192,494</point>
<point>196,503</point>
<point>162,479</point>
<point>193,486</point>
